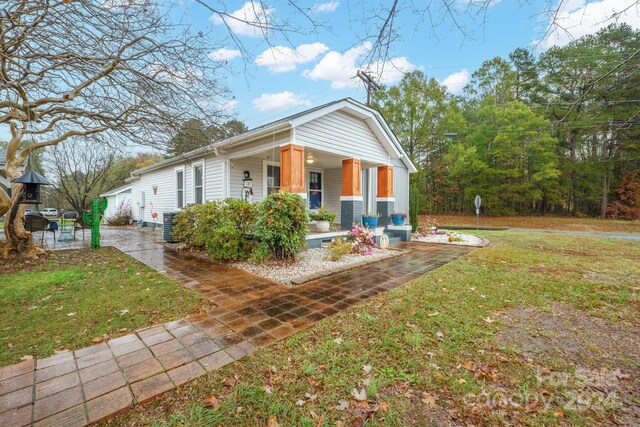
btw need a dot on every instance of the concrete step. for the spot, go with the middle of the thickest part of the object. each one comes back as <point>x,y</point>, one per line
<point>392,239</point>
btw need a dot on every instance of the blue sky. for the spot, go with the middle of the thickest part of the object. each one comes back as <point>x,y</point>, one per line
<point>314,68</point>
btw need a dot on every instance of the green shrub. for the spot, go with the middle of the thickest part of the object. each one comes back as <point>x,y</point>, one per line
<point>221,227</point>
<point>189,224</point>
<point>282,224</point>
<point>338,248</point>
<point>323,214</point>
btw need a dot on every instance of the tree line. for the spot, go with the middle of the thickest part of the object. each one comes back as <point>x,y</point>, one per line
<point>556,132</point>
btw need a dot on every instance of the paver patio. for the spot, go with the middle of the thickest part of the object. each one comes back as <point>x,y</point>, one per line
<point>98,382</point>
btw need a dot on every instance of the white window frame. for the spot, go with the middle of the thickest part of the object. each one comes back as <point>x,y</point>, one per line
<point>193,178</point>
<point>322,187</point>
<point>184,190</point>
<point>265,169</point>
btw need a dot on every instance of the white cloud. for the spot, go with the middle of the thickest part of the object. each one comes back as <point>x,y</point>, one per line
<point>456,81</point>
<point>229,105</point>
<point>224,54</point>
<point>252,19</point>
<point>279,59</point>
<point>278,101</point>
<point>577,18</point>
<point>325,7</point>
<point>340,68</point>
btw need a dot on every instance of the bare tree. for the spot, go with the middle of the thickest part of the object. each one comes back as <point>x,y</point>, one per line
<point>81,170</point>
<point>114,69</point>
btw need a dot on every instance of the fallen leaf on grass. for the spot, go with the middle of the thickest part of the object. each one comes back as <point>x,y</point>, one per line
<point>26,357</point>
<point>462,380</point>
<point>300,402</point>
<point>73,313</point>
<point>97,340</point>
<point>558,413</point>
<point>488,319</point>
<point>342,405</point>
<point>268,389</point>
<point>211,402</point>
<point>384,407</point>
<point>338,341</point>
<point>440,336</point>
<point>366,369</point>
<point>412,325</point>
<point>435,313</point>
<point>428,399</point>
<point>123,312</point>
<point>359,395</point>
<point>273,422</point>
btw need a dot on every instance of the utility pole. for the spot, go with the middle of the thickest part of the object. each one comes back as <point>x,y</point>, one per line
<point>369,83</point>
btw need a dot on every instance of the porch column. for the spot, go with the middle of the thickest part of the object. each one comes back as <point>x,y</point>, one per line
<point>351,196</point>
<point>292,169</point>
<point>384,198</point>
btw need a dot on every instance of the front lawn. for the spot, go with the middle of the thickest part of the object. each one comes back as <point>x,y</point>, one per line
<point>533,330</point>
<point>77,297</point>
<point>547,222</point>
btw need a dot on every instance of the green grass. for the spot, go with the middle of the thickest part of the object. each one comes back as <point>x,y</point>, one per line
<point>396,333</point>
<point>37,299</point>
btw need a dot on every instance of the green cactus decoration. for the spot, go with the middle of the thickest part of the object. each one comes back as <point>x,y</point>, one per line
<point>92,219</point>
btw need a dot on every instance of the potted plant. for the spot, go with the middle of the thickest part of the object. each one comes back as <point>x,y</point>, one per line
<point>323,218</point>
<point>398,218</point>
<point>370,219</point>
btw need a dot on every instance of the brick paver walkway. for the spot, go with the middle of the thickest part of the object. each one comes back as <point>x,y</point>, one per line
<point>94,383</point>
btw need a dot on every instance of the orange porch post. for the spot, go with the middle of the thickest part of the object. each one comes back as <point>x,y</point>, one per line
<point>292,169</point>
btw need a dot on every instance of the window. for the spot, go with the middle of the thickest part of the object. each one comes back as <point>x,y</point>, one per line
<point>273,178</point>
<point>315,190</point>
<point>197,184</point>
<point>179,189</point>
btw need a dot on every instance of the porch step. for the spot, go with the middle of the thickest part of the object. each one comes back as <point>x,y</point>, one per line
<point>393,239</point>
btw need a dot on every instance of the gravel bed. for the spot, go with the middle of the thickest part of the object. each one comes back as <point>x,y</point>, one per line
<point>467,239</point>
<point>310,262</point>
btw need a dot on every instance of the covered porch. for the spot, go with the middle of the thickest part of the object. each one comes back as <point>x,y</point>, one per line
<point>347,186</point>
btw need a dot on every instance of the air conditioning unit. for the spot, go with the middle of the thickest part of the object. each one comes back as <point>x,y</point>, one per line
<point>167,226</point>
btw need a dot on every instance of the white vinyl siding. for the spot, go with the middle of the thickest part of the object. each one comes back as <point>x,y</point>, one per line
<point>215,179</point>
<point>342,134</point>
<point>238,166</point>
<point>401,186</point>
<point>165,199</point>
<point>333,185</point>
<point>115,200</point>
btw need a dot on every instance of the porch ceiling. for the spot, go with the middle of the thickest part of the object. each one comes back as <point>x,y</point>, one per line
<point>313,158</point>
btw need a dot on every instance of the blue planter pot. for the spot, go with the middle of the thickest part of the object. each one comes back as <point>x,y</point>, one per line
<point>397,219</point>
<point>370,221</point>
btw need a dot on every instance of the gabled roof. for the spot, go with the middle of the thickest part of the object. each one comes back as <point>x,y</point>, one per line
<point>123,189</point>
<point>374,119</point>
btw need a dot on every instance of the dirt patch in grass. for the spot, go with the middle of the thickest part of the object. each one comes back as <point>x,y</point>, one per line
<point>592,362</point>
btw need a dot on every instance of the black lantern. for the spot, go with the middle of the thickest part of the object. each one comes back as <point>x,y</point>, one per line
<point>31,182</point>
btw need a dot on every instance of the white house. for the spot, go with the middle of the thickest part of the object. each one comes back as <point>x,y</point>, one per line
<point>116,198</point>
<point>342,155</point>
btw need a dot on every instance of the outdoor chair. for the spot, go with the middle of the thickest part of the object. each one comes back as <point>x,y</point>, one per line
<point>35,221</point>
<point>80,225</point>
<point>68,224</point>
